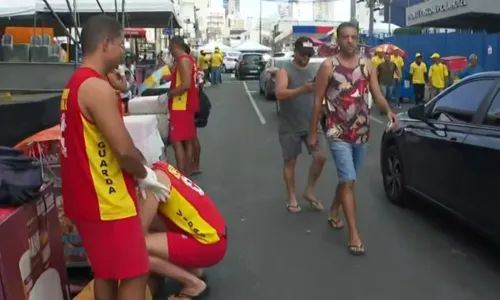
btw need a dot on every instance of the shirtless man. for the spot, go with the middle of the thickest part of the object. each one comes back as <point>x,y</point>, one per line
<point>190,232</point>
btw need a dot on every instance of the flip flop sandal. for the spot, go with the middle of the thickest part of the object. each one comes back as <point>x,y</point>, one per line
<point>294,209</point>
<point>196,173</point>
<point>315,204</point>
<point>356,250</point>
<point>188,296</point>
<point>337,224</point>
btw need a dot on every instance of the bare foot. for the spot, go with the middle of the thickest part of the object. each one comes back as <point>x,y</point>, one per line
<point>190,291</point>
<point>313,201</point>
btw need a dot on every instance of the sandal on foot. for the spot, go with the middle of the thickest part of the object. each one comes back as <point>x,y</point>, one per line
<point>356,250</point>
<point>197,172</point>
<point>293,208</point>
<point>315,204</point>
<point>336,223</point>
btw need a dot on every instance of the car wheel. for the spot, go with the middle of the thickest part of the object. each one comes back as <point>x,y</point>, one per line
<point>278,108</point>
<point>261,91</point>
<point>267,95</point>
<point>224,70</point>
<point>393,177</point>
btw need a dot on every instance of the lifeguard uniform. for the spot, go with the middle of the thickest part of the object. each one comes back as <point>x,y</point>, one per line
<point>196,234</point>
<point>184,107</point>
<point>99,196</point>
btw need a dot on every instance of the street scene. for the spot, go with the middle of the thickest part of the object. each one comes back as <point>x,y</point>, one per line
<point>412,253</point>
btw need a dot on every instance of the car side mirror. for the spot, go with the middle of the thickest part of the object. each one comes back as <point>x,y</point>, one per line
<point>417,113</point>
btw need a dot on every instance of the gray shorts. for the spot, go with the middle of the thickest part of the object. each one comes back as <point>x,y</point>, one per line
<point>291,144</point>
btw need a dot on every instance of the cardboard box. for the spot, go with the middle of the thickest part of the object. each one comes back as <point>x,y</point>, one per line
<point>32,263</point>
<point>88,293</point>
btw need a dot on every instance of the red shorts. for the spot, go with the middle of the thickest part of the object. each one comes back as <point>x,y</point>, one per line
<point>182,126</point>
<point>186,251</point>
<point>116,249</point>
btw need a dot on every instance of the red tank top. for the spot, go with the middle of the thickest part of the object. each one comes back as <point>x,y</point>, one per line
<point>94,187</point>
<point>189,100</point>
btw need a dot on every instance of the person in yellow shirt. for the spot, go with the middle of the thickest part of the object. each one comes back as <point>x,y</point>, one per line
<point>378,58</point>
<point>418,77</point>
<point>438,76</point>
<point>216,64</point>
<point>399,62</point>
<point>203,64</point>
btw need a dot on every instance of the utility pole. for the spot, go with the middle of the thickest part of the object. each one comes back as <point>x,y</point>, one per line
<point>196,26</point>
<point>123,13</point>
<point>260,22</point>
<point>371,6</point>
<point>390,16</point>
<point>353,12</point>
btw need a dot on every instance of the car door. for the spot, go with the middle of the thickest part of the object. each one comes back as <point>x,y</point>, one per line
<point>264,75</point>
<point>434,151</point>
<point>481,171</point>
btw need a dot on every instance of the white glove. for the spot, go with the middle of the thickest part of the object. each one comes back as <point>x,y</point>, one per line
<point>151,184</point>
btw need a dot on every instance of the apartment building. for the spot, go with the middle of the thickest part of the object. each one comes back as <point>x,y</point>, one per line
<point>215,24</point>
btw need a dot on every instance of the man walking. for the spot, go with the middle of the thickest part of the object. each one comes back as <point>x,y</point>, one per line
<point>217,60</point>
<point>294,90</point>
<point>472,68</point>
<point>343,80</point>
<point>386,72</point>
<point>418,77</point>
<point>438,76</point>
<point>400,63</point>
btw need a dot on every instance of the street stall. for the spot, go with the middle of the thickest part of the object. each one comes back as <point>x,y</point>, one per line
<point>251,46</point>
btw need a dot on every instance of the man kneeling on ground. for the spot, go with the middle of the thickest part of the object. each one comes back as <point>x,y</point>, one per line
<point>185,234</point>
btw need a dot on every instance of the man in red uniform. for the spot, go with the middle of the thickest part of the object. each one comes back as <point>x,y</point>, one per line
<point>192,232</point>
<point>183,104</point>
<point>99,166</point>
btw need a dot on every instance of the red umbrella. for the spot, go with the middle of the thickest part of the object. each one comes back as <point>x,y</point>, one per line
<point>389,48</point>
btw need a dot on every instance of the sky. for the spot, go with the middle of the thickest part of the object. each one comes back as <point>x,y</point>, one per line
<point>250,8</point>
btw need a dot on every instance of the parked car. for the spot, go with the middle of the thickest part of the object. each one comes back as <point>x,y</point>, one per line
<point>248,64</point>
<point>448,151</point>
<point>267,79</point>
<point>230,58</point>
<point>286,54</point>
<point>315,63</point>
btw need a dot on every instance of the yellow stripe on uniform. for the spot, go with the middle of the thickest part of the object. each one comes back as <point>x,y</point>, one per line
<point>115,202</point>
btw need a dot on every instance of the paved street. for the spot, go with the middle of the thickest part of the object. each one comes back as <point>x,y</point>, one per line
<point>411,254</point>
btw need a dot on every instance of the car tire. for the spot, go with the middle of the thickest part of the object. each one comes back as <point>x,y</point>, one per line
<point>261,91</point>
<point>224,70</point>
<point>267,95</point>
<point>278,108</point>
<point>393,177</point>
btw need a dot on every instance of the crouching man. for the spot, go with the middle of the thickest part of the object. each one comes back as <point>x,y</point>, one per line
<point>185,234</point>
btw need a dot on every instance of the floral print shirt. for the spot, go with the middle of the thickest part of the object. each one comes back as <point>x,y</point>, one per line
<point>348,112</point>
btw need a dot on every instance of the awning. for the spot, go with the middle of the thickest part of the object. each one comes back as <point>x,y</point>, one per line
<point>305,29</point>
<point>135,33</point>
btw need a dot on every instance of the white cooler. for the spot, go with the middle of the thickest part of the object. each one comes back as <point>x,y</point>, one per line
<point>147,105</point>
<point>144,132</point>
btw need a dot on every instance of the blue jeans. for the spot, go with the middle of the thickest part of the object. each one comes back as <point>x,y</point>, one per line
<point>395,95</point>
<point>216,75</point>
<point>348,159</point>
<point>388,92</point>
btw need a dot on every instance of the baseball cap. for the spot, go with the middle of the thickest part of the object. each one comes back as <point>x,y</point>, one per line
<point>304,46</point>
<point>435,55</point>
<point>379,50</point>
<point>418,55</point>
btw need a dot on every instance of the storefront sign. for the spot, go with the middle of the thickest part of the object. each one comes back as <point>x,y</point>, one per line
<point>434,8</point>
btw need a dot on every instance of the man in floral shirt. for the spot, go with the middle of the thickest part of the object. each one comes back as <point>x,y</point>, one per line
<point>343,81</point>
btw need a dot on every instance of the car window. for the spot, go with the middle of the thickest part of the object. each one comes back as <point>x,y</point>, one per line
<point>460,104</point>
<point>493,115</point>
<point>280,63</point>
<point>279,54</point>
<point>252,58</point>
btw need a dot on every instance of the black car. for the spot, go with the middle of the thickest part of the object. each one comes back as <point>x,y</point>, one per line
<point>448,152</point>
<point>248,64</point>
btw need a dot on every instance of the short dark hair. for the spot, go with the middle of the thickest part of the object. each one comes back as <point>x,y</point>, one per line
<point>96,30</point>
<point>187,49</point>
<point>178,41</point>
<point>346,25</point>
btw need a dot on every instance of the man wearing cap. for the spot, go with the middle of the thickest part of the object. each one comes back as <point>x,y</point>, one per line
<point>295,91</point>
<point>438,76</point>
<point>378,58</point>
<point>399,62</point>
<point>418,77</point>
<point>472,68</point>
<point>217,62</point>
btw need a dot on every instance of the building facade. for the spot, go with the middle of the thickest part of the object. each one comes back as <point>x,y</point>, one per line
<point>215,24</point>
<point>395,11</point>
<point>323,10</point>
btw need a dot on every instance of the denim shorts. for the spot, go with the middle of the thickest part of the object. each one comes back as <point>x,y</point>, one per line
<point>348,158</point>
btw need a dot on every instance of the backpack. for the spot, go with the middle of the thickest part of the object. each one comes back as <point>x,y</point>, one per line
<point>20,177</point>
<point>201,117</point>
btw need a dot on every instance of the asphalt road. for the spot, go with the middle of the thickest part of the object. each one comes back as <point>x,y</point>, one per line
<point>412,254</point>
